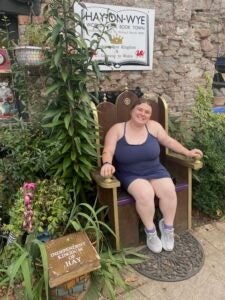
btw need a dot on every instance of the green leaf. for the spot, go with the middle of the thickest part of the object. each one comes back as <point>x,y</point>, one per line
<point>66,163</point>
<point>67,120</point>
<point>73,155</point>
<point>64,74</point>
<point>27,278</point>
<point>69,94</point>
<point>76,225</point>
<point>89,150</point>
<point>52,88</point>
<point>44,263</point>
<point>78,144</point>
<point>53,124</point>
<point>71,130</point>
<point>85,161</point>
<point>57,56</point>
<point>66,148</point>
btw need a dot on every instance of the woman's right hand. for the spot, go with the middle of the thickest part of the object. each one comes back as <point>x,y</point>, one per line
<point>107,170</point>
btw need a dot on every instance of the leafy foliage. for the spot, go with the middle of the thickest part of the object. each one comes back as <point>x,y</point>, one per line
<point>35,34</point>
<point>19,264</point>
<point>25,157</point>
<point>69,114</point>
<point>51,206</point>
<point>207,132</point>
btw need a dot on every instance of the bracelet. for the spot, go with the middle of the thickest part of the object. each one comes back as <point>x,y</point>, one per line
<point>106,163</point>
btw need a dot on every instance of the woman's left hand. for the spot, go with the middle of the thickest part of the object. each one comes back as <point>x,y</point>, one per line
<point>195,153</point>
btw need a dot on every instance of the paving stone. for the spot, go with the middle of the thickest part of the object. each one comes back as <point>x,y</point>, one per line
<point>207,284</point>
<point>213,235</point>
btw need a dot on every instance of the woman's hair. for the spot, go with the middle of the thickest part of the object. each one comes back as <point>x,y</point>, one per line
<point>140,101</point>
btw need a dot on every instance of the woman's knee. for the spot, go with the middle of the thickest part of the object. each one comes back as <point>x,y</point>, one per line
<point>141,190</point>
<point>165,189</point>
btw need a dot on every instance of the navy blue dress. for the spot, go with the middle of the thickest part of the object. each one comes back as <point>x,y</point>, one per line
<point>138,161</point>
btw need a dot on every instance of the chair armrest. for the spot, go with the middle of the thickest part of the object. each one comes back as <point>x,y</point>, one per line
<point>192,163</point>
<point>106,183</point>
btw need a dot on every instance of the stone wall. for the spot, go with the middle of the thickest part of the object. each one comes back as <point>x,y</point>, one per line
<point>189,35</point>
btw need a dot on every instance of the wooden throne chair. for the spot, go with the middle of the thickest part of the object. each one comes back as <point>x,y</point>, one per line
<point>122,215</point>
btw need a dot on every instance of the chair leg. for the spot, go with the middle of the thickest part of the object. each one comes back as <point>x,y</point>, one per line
<point>189,198</point>
<point>116,218</point>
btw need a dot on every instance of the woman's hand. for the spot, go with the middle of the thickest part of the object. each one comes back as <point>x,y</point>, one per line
<point>107,170</point>
<point>195,153</point>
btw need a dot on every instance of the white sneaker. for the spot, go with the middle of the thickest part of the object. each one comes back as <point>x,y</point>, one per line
<point>153,242</point>
<point>167,236</point>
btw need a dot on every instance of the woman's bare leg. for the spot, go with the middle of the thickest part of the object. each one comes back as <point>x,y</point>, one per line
<point>165,190</point>
<point>143,193</point>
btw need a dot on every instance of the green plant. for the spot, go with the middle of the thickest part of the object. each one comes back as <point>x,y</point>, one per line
<point>51,207</point>
<point>69,115</point>
<point>109,276</point>
<point>4,33</point>
<point>36,35</point>
<point>19,267</point>
<point>15,225</point>
<point>207,131</point>
<point>86,217</point>
<point>25,157</point>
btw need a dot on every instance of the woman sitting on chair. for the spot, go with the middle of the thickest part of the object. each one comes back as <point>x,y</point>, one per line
<point>131,151</point>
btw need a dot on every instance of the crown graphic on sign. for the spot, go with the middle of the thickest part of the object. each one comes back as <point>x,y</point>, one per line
<point>116,39</point>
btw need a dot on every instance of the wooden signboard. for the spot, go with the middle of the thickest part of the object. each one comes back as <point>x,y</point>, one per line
<point>69,257</point>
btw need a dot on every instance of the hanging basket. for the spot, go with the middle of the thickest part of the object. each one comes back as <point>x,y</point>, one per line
<point>220,64</point>
<point>29,55</point>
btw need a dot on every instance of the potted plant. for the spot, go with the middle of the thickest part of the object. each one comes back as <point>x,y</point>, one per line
<point>51,208</point>
<point>33,44</point>
<point>40,208</point>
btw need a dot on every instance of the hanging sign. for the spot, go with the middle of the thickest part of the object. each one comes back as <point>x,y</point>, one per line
<point>129,45</point>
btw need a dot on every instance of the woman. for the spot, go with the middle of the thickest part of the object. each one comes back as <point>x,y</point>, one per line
<point>132,151</point>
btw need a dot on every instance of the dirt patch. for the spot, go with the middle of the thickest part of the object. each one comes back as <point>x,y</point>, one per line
<point>199,219</point>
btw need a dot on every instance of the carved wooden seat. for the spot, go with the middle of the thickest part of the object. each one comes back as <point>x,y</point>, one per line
<point>122,214</point>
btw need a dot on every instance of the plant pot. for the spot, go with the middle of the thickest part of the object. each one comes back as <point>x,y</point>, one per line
<point>29,55</point>
<point>11,239</point>
<point>218,101</point>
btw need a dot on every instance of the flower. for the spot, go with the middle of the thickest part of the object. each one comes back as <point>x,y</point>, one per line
<point>28,194</point>
<point>29,186</point>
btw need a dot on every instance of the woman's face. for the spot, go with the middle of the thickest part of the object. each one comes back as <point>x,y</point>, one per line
<point>141,113</point>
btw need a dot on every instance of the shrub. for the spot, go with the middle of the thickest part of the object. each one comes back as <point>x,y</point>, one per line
<point>207,132</point>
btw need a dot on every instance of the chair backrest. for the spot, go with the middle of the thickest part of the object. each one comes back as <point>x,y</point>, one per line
<point>109,113</point>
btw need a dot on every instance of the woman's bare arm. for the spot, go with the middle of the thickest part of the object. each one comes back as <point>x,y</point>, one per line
<point>111,139</point>
<point>173,144</point>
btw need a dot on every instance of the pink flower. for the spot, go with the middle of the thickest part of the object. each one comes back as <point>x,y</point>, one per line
<point>29,185</point>
<point>28,189</point>
<point>27,200</point>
